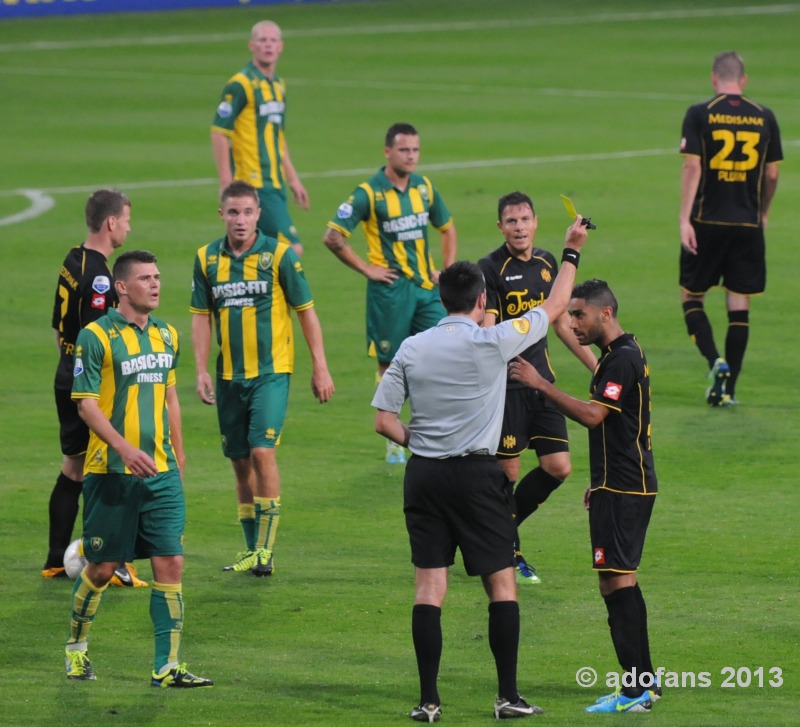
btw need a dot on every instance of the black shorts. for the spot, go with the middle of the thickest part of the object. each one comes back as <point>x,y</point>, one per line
<point>73,432</point>
<point>531,422</point>
<point>617,528</point>
<point>459,502</point>
<point>732,254</point>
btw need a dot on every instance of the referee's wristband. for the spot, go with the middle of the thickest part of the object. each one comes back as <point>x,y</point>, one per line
<point>570,256</point>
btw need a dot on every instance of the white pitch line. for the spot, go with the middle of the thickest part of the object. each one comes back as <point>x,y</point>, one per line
<point>477,25</point>
<point>40,203</point>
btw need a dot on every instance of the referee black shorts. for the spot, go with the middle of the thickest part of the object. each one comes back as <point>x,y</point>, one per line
<point>73,432</point>
<point>460,502</point>
<point>617,528</point>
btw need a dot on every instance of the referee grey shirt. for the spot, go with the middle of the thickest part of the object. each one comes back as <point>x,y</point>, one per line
<point>454,376</point>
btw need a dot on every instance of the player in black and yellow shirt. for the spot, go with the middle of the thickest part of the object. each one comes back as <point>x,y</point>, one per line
<point>84,293</point>
<point>248,135</point>
<point>519,277</point>
<point>623,486</point>
<point>731,149</point>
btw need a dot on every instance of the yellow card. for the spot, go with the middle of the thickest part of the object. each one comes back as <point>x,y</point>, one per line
<point>569,207</point>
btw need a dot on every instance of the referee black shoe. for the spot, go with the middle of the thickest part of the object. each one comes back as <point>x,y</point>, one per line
<point>426,713</point>
<point>503,709</point>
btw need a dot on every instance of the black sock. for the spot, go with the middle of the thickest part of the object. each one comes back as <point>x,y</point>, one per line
<point>625,622</point>
<point>533,489</point>
<point>644,638</point>
<point>699,328</point>
<point>504,643</point>
<point>426,632</point>
<point>735,345</point>
<point>64,503</point>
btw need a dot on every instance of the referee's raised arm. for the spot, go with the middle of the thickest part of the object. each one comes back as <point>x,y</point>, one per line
<point>561,292</point>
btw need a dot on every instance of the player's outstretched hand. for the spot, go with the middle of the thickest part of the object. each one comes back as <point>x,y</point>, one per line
<point>521,370</point>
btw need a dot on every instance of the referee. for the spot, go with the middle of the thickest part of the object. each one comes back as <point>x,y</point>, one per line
<point>455,492</point>
<point>623,486</point>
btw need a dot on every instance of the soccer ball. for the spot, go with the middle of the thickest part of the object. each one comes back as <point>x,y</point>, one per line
<point>73,559</point>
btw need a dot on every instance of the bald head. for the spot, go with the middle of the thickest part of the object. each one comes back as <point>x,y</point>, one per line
<point>265,26</point>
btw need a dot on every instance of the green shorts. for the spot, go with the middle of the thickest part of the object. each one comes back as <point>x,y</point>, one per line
<point>251,413</point>
<point>275,220</point>
<point>125,518</point>
<point>396,311</point>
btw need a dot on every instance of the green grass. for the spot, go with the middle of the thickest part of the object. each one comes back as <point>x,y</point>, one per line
<point>508,94</point>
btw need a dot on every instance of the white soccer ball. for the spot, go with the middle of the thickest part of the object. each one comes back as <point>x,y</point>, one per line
<point>74,561</point>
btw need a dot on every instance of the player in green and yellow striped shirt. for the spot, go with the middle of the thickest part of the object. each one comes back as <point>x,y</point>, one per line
<point>248,135</point>
<point>395,207</point>
<point>250,283</point>
<point>133,503</point>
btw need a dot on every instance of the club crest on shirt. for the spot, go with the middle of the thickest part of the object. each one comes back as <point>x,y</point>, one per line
<point>423,191</point>
<point>265,260</point>
<point>96,543</point>
<point>521,325</point>
<point>101,284</point>
<point>546,275</point>
<point>599,556</point>
<point>166,336</point>
<point>612,391</point>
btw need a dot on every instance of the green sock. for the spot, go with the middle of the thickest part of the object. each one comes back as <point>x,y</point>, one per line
<point>166,613</point>
<point>247,519</point>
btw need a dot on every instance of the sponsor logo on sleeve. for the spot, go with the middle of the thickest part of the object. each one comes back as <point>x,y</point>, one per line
<point>345,211</point>
<point>521,325</point>
<point>224,110</point>
<point>98,301</point>
<point>101,284</point>
<point>613,391</point>
<point>78,370</point>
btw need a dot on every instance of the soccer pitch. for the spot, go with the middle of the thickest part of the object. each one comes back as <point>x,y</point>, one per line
<point>578,98</point>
